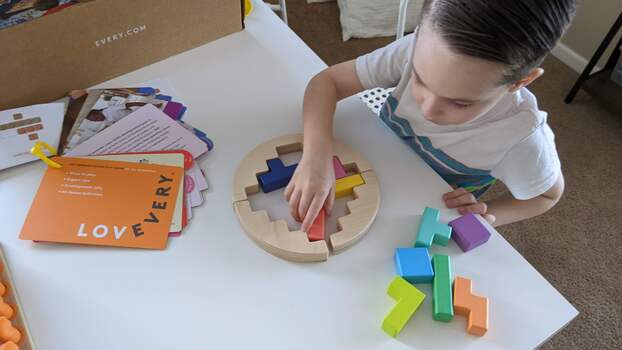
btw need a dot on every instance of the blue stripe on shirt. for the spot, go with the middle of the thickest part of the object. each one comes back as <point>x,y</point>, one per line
<point>452,171</point>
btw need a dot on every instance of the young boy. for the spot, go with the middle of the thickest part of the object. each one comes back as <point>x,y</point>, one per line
<point>460,102</point>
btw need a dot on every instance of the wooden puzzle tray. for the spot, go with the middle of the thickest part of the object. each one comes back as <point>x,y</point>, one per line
<point>275,236</point>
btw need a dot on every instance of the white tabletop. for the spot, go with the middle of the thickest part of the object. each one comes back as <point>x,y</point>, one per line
<point>213,288</point>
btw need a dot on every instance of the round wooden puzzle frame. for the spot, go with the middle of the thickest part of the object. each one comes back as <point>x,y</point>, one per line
<point>275,236</point>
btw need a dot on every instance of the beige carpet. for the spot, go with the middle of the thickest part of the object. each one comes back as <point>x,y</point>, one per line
<point>576,245</point>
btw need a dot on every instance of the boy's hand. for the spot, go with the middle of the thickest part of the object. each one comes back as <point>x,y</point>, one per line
<point>466,202</point>
<point>311,188</point>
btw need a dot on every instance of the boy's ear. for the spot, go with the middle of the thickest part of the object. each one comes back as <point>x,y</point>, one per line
<point>527,79</point>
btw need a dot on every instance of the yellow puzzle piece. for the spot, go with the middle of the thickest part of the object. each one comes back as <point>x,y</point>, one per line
<point>345,185</point>
<point>408,299</point>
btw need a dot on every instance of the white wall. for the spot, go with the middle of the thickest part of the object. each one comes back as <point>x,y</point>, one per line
<point>593,21</point>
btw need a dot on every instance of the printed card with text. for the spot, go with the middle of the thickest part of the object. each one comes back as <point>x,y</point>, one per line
<point>170,159</point>
<point>103,202</point>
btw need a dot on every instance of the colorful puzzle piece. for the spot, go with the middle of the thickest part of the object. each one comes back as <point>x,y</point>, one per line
<point>316,231</point>
<point>469,232</point>
<point>5,309</point>
<point>471,306</point>
<point>442,306</point>
<point>345,186</point>
<point>431,230</point>
<point>13,328</point>
<point>413,264</point>
<point>8,332</point>
<point>408,299</point>
<point>9,346</point>
<point>340,171</point>
<point>278,176</point>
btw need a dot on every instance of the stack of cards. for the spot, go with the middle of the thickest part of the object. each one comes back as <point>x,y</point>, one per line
<point>94,110</point>
<point>128,165</point>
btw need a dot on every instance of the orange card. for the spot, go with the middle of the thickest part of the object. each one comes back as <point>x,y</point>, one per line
<point>102,202</point>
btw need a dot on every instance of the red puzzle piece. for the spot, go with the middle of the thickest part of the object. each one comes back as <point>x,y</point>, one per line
<point>316,231</point>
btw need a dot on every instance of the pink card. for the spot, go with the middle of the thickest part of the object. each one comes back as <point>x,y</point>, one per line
<point>195,177</point>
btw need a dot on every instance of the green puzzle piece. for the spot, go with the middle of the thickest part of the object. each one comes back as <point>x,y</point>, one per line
<point>408,299</point>
<point>431,230</point>
<point>443,309</point>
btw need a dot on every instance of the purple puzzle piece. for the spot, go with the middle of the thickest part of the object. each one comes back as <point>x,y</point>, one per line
<point>469,232</point>
<point>173,110</point>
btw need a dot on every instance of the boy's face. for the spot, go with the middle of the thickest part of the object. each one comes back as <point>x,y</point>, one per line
<point>451,88</point>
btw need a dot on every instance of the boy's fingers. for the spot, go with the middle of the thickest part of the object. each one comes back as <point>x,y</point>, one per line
<point>465,199</point>
<point>490,218</point>
<point>455,193</point>
<point>294,201</point>
<point>477,208</point>
<point>291,185</point>
<point>305,202</point>
<point>288,190</point>
<point>330,201</point>
<point>314,209</point>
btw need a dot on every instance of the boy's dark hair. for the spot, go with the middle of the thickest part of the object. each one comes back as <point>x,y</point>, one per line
<point>517,33</point>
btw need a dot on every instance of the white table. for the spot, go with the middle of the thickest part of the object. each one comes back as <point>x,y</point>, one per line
<point>213,288</point>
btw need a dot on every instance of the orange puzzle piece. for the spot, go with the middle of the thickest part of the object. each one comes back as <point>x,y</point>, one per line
<point>471,306</point>
<point>8,332</point>
<point>316,231</point>
<point>9,346</point>
<point>5,309</point>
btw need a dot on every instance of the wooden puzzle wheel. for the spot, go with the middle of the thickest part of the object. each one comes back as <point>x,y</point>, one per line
<point>275,236</point>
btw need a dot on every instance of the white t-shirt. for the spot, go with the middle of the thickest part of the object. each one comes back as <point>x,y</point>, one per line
<point>512,142</point>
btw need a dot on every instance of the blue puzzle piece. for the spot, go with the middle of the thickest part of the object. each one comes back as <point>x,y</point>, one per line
<point>182,112</point>
<point>146,90</point>
<point>414,265</point>
<point>431,230</point>
<point>278,176</point>
<point>164,97</point>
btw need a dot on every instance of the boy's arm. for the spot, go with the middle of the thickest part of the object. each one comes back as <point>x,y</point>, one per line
<point>321,96</point>
<point>506,209</point>
<point>311,187</point>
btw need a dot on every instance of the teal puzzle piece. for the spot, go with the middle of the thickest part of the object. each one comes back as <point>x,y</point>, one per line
<point>431,230</point>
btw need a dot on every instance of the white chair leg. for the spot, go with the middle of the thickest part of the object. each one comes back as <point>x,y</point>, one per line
<point>283,11</point>
<point>401,19</point>
<point>281,8</point>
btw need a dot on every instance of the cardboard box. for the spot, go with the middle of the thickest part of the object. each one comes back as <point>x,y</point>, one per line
<point>98,40</point>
